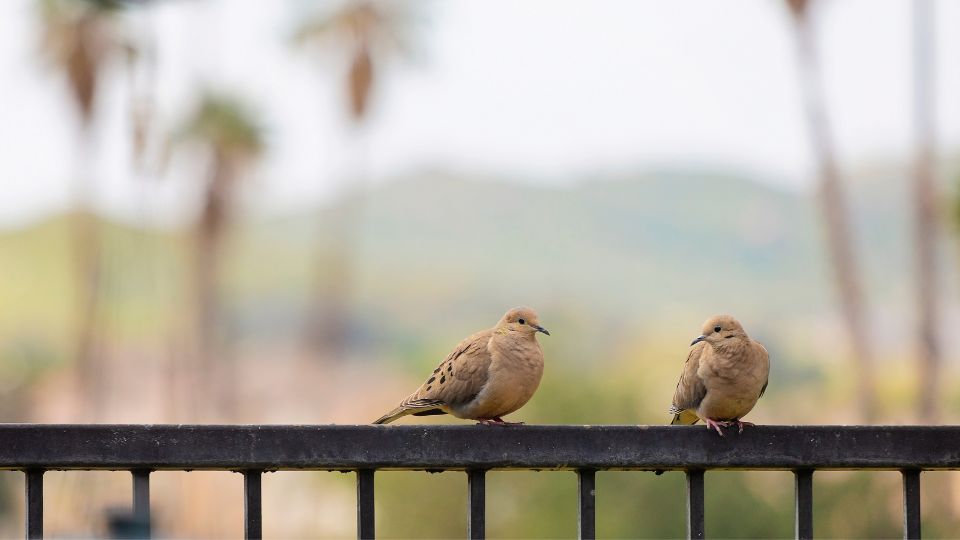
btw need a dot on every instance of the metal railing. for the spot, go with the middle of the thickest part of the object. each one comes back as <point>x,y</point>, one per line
<point>254,449</point>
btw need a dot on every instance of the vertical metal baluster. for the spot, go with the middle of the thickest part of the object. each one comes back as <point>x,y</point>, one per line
<point>911,504</point>
<point>695,527</point>
<point>803,504</point>
<point>141,500</point>
<point>587,492</point>
<point>365,516</point>
<point>34,503</point>
<point>476,504</point>
<point>252,509</point>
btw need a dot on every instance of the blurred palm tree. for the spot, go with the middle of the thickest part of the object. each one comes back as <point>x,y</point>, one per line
<point>80,37</point>
<point>370,34</point>
<point>232,140</point>
<point>835,211</point>
<point>926,213</point>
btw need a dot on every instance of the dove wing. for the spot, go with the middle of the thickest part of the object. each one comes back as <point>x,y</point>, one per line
<point>458,379</point>
<point>690,388</point>
<point>762,365</point>
<point>462,374</point>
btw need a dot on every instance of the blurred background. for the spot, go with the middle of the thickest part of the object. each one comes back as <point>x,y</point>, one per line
<point>289,212</point>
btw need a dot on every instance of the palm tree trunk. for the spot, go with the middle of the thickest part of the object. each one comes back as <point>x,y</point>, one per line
<point>207,246</point>
<point>87,268</point>
<point>835,213</point>
<point>328,328</point>
<point>327,325</point>
<point>925,212</point>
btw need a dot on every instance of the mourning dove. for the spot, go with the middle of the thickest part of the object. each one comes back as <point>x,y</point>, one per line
<point>490,374</point>
<point>725,374</point>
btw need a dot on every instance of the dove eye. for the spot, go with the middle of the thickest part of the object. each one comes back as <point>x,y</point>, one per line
<point>521,321</point>
<point>717,328</point>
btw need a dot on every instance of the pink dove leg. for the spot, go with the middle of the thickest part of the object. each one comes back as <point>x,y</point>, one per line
<point>712,424</point>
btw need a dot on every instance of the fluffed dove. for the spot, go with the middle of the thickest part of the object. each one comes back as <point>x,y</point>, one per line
<point>490,374</point>
<point>725,374</point>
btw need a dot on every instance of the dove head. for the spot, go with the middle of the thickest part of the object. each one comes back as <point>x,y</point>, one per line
<point>719,328</point>
<point>523,320</point>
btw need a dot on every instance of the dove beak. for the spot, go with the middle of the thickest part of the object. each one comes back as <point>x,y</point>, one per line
<point>541,329</point>
<point>698,340</point>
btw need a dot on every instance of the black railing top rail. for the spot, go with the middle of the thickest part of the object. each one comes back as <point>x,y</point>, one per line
<point>471,447</point>
<point>253,449</point>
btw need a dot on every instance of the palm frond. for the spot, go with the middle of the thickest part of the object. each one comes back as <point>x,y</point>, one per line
<point>226,124</point>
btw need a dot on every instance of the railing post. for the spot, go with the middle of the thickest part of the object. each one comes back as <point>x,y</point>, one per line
<point>476,504</point>
<point>141,501</point>
<point>252,508</point>
<point>365,517</point>
<point>587,509</point>
<point>911,503</point>
<point>803,504</point>
<point>695,528</point>
<point>34,503</point>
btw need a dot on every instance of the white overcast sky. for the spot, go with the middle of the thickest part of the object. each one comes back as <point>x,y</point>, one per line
<point>542,90</point>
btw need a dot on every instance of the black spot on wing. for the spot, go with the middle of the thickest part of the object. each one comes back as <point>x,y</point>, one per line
<point>431,412</point>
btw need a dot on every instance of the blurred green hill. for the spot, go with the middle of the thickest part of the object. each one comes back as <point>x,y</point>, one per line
<point>632,247</point>
<point>438,252</point>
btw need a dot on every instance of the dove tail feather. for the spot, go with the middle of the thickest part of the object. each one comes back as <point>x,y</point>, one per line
<point>685,418</point>
<point>420,407</point>
<point>399,412</point>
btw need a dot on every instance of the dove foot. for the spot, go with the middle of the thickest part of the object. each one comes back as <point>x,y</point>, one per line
<point>497,421</point>
<point>741,424</point>
<point>712,424</point>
